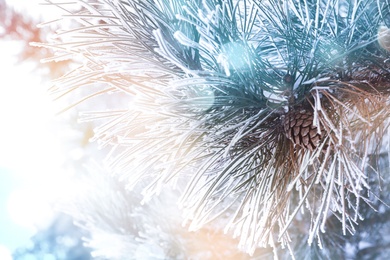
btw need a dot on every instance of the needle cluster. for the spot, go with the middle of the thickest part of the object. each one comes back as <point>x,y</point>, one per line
<point>267,109</point>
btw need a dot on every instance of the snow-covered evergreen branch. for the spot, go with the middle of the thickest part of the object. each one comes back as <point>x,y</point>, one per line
<point>268,110</point>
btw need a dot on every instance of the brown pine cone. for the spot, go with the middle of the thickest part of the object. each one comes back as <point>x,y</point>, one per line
<point>299,128</point>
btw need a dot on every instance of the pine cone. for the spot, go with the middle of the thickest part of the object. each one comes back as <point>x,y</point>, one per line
<point>299,128</point>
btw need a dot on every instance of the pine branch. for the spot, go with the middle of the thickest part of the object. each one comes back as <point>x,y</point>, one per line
<point>218,90</point>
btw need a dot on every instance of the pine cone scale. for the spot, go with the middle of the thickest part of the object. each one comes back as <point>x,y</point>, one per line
<point>306,140</point>
<point>305,131</point>
<point>299,122</point>
<point>296,130</point>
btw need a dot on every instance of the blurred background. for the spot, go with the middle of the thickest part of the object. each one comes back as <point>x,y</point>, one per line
<point>40,151</point>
